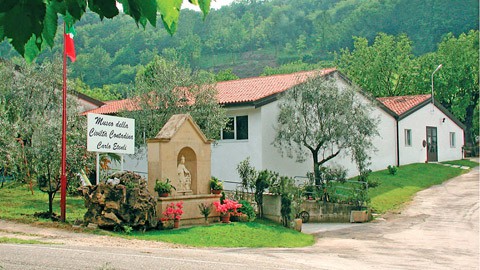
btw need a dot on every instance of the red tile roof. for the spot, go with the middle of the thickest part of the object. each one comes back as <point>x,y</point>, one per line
<point>115,106</point>
<point>402,104</point>
<point>253,89</point>
<point>236,91</point>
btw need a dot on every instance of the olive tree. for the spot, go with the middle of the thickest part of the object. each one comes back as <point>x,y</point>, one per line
<point>320,118</point>
<point>165,88</point>
<point>30,110</point>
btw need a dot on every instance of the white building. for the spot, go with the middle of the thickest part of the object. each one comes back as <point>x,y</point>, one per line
<point>252,105</point>
<point>426,131</point>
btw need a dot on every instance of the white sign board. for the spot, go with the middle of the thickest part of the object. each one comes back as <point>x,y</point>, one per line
<point>110,134</point>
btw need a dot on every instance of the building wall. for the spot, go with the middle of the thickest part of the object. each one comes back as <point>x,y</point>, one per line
<point>273,159</point>
<point>430,116</point>
<point>84,105</point>
<point>385,144</point>
<point>227,154</point>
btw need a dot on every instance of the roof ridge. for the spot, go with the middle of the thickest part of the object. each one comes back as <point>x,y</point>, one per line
<point>418,95</point>
<point>278,75</point>
<point>237,91</point>
<point>403,104</point>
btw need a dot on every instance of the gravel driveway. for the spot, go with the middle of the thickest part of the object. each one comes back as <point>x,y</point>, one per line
<point>439,229</point>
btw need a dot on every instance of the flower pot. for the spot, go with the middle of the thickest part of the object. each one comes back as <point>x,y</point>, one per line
<point>225,218</point>
<point>358,216</point>
<point>216,191</point>
<point>297,224</point>
<point>163,194</point>
<point>176,223</point>
<point>166,225</point>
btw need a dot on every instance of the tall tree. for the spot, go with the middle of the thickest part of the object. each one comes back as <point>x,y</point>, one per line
<point>384,68</point>
<point>319,117</point>
<point>30,106</point>
<point>165,88</point>
<point>388,68</point>
<point>457,85</point>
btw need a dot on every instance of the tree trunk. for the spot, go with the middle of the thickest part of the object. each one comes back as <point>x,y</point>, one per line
<point>469,134</point>
<point>50,203</point>
<point>316,168</point>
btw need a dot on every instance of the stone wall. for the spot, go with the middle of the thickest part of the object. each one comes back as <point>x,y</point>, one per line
<point>319,211</point>
<point>327,212</point>
<point>191,212</point>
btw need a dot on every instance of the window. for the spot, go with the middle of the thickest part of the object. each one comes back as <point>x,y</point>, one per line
<point>242,127</point>
<point>452,139</point>
<point>236,128</point>
<point>228,133</point>
<point>408,137</point>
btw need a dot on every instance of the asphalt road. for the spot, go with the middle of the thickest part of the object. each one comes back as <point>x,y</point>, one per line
<point>438,230</point>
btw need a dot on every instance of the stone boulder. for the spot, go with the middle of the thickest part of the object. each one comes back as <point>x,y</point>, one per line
<point>123,200</point>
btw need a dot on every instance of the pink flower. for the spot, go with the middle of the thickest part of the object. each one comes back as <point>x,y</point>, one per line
<point>230,206</point>
<point>173,211</point>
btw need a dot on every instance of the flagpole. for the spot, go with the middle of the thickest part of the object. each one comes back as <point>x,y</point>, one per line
<point>63,177</point>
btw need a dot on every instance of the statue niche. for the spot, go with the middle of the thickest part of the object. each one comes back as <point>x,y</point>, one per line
<point>186,171</point>
<point>184,176</point>
<point>181,153</point>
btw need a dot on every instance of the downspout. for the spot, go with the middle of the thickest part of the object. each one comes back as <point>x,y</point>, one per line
<point>398,142</point>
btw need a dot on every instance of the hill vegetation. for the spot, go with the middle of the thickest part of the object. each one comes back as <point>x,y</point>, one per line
<point>249,35</point>
<point>402,42</point>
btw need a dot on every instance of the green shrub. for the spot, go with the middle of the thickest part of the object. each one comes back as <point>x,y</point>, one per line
<point>286,210</point>
<point>216,184</point>
<point>164,187</point>
<point>373,183</point>
<point>392,170</point>
<point>247,209</point>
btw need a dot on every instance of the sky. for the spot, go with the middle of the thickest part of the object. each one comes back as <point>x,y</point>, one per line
<point>215,4</point>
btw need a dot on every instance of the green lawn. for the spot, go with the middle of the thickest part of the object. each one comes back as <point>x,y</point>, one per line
<point>17,203</point>
<point>395,190</point>
<point>462,162</point>
<point>9,240</point>
<point>251,234</point>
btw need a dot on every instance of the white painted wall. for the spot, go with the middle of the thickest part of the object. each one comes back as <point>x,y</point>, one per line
<point>431,116</point>
<point>227,154</point>
<point>137,163</point>
<point>272,159</point>
<point>385,143</point>
<point>263,155</point>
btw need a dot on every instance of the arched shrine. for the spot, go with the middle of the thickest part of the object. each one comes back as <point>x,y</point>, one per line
<point>181,153</point>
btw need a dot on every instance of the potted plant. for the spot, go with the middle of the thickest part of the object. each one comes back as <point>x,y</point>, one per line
<point>226,208</point>
<point>163,188</point>
<point>205,210</point>
<point>216,185</point>
<point>173,213</point>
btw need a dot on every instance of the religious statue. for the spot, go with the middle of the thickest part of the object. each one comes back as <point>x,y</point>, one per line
<point>184,176</point>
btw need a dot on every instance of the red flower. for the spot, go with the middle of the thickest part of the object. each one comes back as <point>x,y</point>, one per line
<point>173,211</point>
<point>228,206</point>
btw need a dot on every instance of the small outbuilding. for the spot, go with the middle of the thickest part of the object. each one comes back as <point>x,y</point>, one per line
<point>425,130</point>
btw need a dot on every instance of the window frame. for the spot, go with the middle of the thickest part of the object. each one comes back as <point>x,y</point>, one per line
<point>408,137</point>
<point>235,129</point>
<point>452,138</point>
<point>224,131</point>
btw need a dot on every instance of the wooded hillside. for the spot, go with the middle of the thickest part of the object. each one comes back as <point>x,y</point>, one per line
<point>249,35</point>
